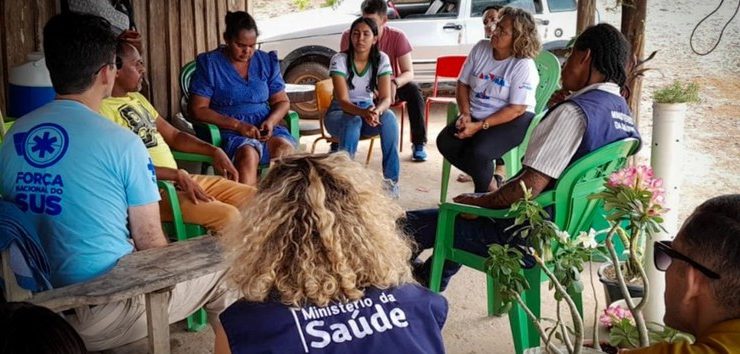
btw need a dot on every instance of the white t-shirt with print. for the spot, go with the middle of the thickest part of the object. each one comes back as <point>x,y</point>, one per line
<point>361,81</point>
<point>497,83</point>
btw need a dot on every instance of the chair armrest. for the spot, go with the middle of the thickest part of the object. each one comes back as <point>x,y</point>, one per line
<point>171,195</point>
<point>191,157</point>
<point>292,122</point>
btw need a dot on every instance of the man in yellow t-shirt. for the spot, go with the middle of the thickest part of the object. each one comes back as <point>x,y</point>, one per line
<point>211,201</point>
<point>702,268</point>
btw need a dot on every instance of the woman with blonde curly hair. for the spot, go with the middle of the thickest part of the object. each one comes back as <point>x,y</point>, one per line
<point>496,98</point>
<point>324,268</point>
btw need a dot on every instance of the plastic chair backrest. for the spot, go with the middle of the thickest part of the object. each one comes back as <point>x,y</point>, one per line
<point>574,211</point>
<point>324,93</point>
<point>448,67</point>
<point>186,73</point>
<point>548,67</point>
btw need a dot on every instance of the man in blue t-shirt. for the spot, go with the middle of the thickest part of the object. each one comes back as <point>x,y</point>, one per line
<point>88,185</point>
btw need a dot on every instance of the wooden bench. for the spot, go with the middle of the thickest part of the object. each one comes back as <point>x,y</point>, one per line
<point>151,272</point>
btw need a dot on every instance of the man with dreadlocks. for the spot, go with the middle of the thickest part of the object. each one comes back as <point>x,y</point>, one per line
<point>593,116</point>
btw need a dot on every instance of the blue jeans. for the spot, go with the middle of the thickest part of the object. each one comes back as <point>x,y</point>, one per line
<point>470,235</point>
<point>348,129</point>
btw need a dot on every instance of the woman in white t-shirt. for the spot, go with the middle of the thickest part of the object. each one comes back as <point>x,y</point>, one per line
<point>496,98</point>
<point>362,84</point>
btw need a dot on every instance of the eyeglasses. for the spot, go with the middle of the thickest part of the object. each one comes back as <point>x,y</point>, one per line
<point>663,255</point>
<point>118,63</point>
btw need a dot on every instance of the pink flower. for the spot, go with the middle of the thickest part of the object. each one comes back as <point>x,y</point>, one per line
<point>613,314</point>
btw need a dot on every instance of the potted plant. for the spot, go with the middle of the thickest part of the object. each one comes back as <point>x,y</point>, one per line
<point>632,201</point>
<point>623,334</point>
<point>670,102</point>
<point>630,185</point>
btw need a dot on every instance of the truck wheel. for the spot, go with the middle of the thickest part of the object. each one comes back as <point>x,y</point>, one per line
<point>307,73</point>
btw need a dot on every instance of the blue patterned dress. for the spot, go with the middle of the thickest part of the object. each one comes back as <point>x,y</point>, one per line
<point>247,100</point>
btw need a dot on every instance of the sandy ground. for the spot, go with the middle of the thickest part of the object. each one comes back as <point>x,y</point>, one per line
<point>712,143</point>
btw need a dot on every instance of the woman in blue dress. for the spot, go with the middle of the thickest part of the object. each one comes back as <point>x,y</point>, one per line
<point>240,89</point>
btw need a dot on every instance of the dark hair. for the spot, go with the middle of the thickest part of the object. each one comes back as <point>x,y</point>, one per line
<point>374,54</point>
<point>377,7</point>
<point>76,47</point>
<point>27,328</point>
<point>610,51</point>
<point>712,236</point>
<point>238,21</point>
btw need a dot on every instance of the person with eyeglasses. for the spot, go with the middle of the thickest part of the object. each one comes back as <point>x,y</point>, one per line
<point>496,98</point>
<point>88,187</point>
<point>702,274</point>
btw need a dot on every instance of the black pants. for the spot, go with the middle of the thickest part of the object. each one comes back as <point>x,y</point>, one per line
<point>411,93</point>
<point>475,155</point>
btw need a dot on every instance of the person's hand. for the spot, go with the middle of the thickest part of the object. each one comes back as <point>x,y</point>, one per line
<point>248,130</point>
<point>267,127</point>
<point>371,116</point>
<point>223,165</point>
<point>470,199</point>
<point>462,119</point>
<point>468,129</point>
<point>557,97</point>
<point>133,38</point>
<point>191,189</point>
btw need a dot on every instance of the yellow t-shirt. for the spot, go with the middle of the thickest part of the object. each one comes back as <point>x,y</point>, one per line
<point>722,338</point>
<point>134,112</point>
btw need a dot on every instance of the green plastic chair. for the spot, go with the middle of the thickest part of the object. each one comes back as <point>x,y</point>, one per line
<point>548,68</point>
<point>573,212</point>
<point>210,132</point>
<point>180,231</point>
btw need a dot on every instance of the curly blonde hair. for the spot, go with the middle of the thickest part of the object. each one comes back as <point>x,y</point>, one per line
<point>320,230</point>
<point>526,40</point>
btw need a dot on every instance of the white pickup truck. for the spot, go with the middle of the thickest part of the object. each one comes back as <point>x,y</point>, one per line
<point>305,41</point>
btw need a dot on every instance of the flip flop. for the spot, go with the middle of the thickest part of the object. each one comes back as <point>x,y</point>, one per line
<point>464,178</point>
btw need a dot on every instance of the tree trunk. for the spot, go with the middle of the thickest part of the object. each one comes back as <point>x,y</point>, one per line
<point>633,28</point>
<point>586,15</point>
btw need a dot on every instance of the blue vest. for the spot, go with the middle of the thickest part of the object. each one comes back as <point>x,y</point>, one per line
<point>407,319</point>
<point>608,119</point>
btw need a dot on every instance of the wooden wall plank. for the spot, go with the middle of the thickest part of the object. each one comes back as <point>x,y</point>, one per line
<point>173,58</point>
<point>158,71</point>
<point>237,5</point>
<point>20,31</point>
<point>141,12</point>
<point>200,26</point>
<point>211,27</point>
<point>221,9</point>
<point>43,10</point>
<point>187,29</point>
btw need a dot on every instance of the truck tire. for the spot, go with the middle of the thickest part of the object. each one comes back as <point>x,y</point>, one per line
<point>307,73</point>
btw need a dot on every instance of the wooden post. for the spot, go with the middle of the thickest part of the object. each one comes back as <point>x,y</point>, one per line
<point>158,321</point>
<point>586,15</point>
<point>633,28</point>
<point>13,292</point>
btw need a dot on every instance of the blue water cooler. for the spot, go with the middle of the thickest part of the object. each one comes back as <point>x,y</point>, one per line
<point>29,86</point>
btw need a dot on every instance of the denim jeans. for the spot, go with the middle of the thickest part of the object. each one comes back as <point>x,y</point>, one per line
<point>348,129</point>
<point>470,235</point>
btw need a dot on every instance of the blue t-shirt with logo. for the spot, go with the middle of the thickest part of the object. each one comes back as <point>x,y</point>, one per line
<point>407,319</point>
<point>75,174</point>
